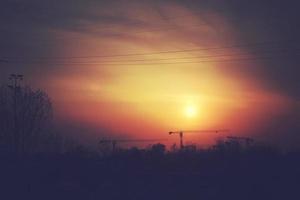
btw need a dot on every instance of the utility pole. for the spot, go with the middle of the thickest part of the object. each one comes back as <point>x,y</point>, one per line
<point>15,87</point>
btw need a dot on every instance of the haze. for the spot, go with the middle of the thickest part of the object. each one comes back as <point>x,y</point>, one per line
<point>143,68</point>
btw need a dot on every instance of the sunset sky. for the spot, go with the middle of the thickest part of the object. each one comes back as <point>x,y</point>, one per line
<point>139,69</point>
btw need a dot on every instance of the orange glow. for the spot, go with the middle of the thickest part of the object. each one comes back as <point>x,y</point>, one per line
<point>148,100</point>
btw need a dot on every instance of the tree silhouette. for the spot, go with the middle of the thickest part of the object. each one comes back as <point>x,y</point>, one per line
<point>158,149</point>
<point>24,112</point>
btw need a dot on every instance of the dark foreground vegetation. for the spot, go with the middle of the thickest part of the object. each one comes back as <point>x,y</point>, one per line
<point>221,172</point>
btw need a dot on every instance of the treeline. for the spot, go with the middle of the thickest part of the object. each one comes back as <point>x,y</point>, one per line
<point>244,172</point>
<point>25,129</point>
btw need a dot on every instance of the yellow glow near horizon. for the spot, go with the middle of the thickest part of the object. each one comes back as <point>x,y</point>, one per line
<point>162,91</point>
<point>190,111</point>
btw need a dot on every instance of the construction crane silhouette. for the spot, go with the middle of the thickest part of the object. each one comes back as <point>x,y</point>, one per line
<point>248,141</point>
<point>195,131</point>
<point>113,142</point>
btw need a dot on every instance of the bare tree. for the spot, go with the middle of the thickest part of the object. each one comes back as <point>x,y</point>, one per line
<point>24,112</point>
<point>6,115</point>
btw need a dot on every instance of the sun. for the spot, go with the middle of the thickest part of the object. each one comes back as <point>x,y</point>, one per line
<point>190,111</point>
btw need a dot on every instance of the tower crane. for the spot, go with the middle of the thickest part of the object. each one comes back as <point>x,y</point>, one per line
<point>195,131</point>
<point>113,142</point>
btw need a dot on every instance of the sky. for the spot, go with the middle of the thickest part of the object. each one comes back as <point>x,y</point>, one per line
<point>141,68</point>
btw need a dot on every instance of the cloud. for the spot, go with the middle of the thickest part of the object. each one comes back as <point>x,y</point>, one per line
<point>33,29</point>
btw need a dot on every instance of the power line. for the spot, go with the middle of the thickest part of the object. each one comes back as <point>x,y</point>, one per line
<point>170,63</point>
<point>271,51</point>
<point>172,27</point>
<point>3,61</point>
<point>151,61</point>
<point>164,52</point>
<point>152,29</point>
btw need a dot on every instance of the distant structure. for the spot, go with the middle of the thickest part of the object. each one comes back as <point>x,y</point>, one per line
<point>195,131</point>
<point>248,141</point>
<point>113,142</point>
<point>15,86</point>
<point>15,81</point>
